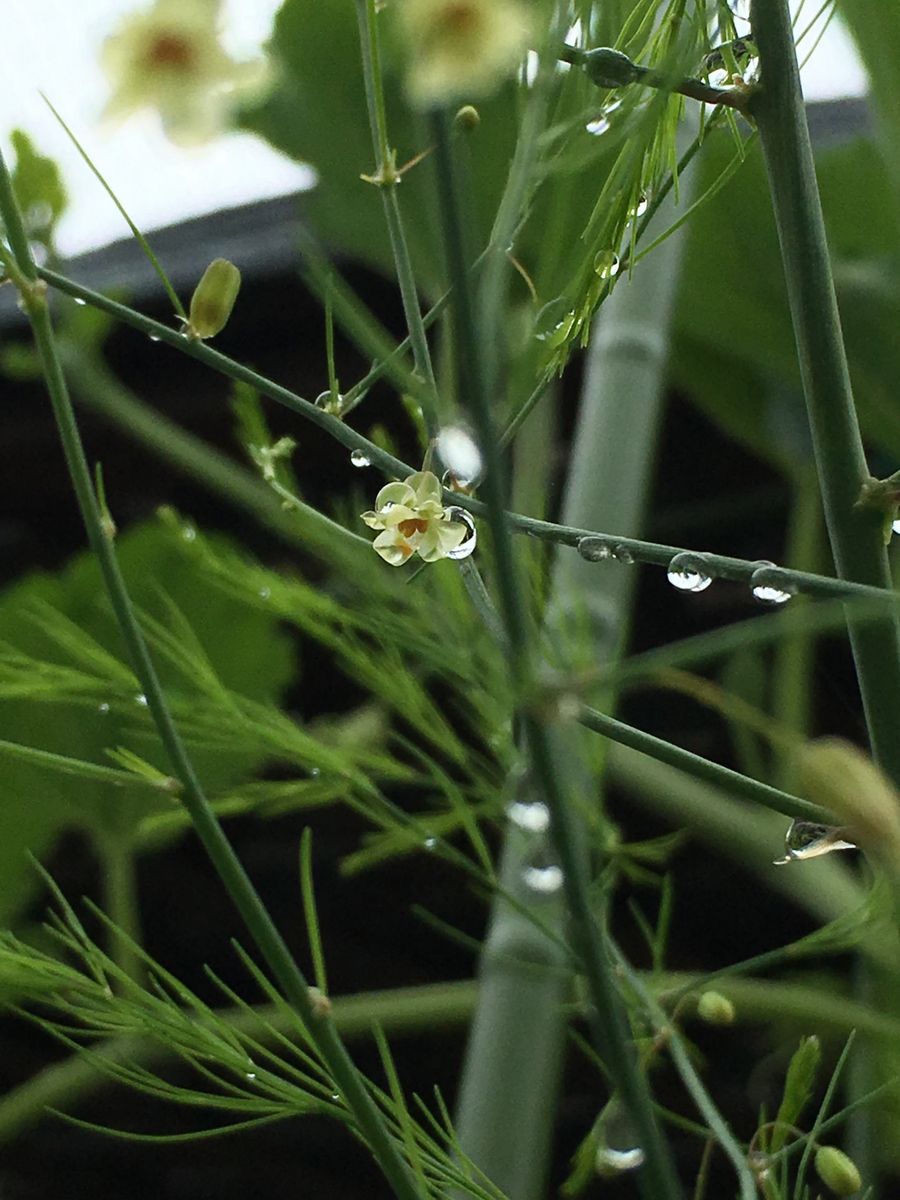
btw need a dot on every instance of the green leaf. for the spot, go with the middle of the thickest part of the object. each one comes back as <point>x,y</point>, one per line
<point>66,688</point>
<point>798,1086</point>
<point>39,188</point>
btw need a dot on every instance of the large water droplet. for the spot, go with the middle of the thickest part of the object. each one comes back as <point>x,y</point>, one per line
<point>460,454</point>
<point>533,817</point>
<point>808,839</point>
<point>623,554</point>
<point>358,458</point>
<point>602,123</point>
<point>469,542</point>
<point>543,879</point>
<point>594,549</point>
<point>606,264</point>
<point>642,205</point>
<point>688,573</point>
<point>768,585</point>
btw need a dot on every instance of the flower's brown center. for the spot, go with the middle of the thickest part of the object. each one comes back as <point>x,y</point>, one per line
<point>413,525</point>
<point>459,19</point>
<point>169,52</point>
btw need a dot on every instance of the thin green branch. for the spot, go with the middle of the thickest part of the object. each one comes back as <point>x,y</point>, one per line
<point>703,768</point>
<point>272,946</point>
<point>607,1018</point>
<point>855,532</point>
<point>632,549</point>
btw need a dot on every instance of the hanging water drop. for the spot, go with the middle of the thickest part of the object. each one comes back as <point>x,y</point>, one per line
<point>141,699</point>
<point>594,549</point>
<point>606,264</point>
<point>546,880</point>
<point>768,585</point>
<point>618,1150</point>
<point>532,817</point>
<point>251,1075</point>
<point>642,205</point>
<point>103,709</point>
<point>81,303</point>
<point>623,554</point>
<point>895,525</point>
<point>430,843</point>
<point>358,458</point>
<point>808,839</point>
<point>154,337</point>
<point>688,573</point>
<point>598,126</point>
<point>460,454</point>
<point>467,545</point>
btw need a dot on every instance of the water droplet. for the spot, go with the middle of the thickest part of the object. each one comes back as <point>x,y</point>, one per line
<point>642,205</point>
<point>430,843</point>
<point>81,303</point>
<point>687,572</point>
<point>141,699</point>
<point>154,337</point>
<point>460,454</point>
<point>330,401</point>
<point>533,817</point>
<point>594,549</point>
<point>467,545</point>
<point>606,264</point>
<point>251,1075</point>
<point>895,525</point>
<point>554,322</point>
<point>598,126</point>
<point>358,459</point>
<point>545,880</point>
<point>335,1095</point>
<point>615,1162</point>
<point>623,554</point>
<point>103,708</point>
<point>808,839</point>
<point>189,533</point>
<point>315,772</point>
<point>265,593</point>
<point>768,585</point>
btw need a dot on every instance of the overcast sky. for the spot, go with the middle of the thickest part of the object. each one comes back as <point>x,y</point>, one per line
<point>52,45</point>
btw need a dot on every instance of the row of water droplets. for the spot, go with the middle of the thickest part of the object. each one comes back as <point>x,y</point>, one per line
<point>689,571</point>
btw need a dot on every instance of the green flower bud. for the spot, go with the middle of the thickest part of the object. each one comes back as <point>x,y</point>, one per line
<point>213,299</point>
<point>837,1170</point>
<point>715,1008</point>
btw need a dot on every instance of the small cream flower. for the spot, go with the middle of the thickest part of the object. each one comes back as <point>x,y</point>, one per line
<point>169,57</point>
<point>462,48</point>
<point>412,520</point>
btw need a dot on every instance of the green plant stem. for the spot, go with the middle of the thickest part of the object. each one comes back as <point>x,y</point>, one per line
<point>120,898</point>
<point>607,1019</point>
<point>719,565</point>
<point>732,782</point>
<point>855,532</point>
<point>387,181</point>
<point>267,938</point>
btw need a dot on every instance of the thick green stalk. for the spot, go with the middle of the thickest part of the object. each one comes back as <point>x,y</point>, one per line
<point>855,533</point>
<point>267,938</point>
<point>546,753</point>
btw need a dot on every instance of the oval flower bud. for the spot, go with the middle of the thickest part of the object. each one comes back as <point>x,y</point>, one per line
<point>715,1008</point>
<point>838,1171</point>
<point>213,299</point>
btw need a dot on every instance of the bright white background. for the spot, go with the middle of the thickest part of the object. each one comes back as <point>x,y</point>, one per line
<point>52,45</point>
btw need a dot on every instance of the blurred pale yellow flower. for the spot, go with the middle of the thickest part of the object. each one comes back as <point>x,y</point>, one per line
<point>462,48</point>
<point>412,520</point>
<point>169,57</point>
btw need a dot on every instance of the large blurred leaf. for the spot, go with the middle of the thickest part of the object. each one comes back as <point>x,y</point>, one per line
<point>65,687</point>
<point>734,347</point>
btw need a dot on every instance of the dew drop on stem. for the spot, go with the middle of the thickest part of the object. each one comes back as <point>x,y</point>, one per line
<point>622,554</point>
<point>532,817</point>
<point>543,879</point>
<point>358,458</point>
<point>459,453</point>
<point>606,264</point>
<point>689,573</point>
<point>594,549</point>
<point>768,585</point>
<point>81,303</point>
<point>469,542</point>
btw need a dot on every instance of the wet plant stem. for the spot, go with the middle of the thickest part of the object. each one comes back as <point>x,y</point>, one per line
<point>607,1019</point>
<point>271,945</point>
<point>855,532</point>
